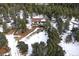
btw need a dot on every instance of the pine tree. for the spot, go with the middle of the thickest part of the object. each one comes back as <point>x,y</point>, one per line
<point>3,40</point>
<point>23,48</point>
<point>53,49</point>
<point>39,49</point>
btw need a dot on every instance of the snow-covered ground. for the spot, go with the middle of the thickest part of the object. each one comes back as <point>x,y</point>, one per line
<point>64,20</point>
<point>21,14</point>
<point>1,28</point>
<point>12,43</point>
<point>41,36</point>
<point>71,48</point>
<point>54,23</point>
<point>9,25</point>
<point>29,25</point>
<point>71,24</point>
<point>38,37</point>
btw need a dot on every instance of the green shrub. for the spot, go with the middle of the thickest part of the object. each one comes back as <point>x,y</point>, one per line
<point>3,40</point>
<point>23,48</point>
<point>77,35</point>
<point>68,39</point>
<point>39,49</point>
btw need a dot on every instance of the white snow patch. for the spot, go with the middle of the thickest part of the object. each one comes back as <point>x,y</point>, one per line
<point>73,23</point>
<point>12,21</point>
<point>9,25</point>
<point>35,38</point>
<point>53,19</point>
<point>38,16</point>
<point>72,48</point>
<point>6,54</point>
<point>29,25</point>
<point>12,43</point>
<point>64,20</point>
<point>53,23</point>
<point>21,14</point>
<point>3,19</point>
<point>43,20</point>
<point>1,28</point>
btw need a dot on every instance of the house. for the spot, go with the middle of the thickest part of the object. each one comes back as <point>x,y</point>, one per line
<point>35,20</point>
<point>38,21</point>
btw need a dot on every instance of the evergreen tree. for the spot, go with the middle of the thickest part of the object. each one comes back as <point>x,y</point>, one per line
<point>77,35</point>
<point>5,29</point>
<point>60,25</point>
<point>53,49</point>
<point>39,49</point>
<point>3,40</point>
<point>23,48</point>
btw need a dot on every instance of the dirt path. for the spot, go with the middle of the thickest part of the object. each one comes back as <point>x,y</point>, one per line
<point>25,33</point>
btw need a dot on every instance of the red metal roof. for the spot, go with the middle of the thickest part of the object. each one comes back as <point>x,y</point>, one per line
<point>37,19</point>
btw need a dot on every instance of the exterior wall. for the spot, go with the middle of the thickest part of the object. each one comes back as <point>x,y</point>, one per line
<point>37,23</point>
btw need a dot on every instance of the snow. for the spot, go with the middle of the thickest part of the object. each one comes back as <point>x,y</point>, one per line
<point>38,37</point>
<point>9,25</point>
<point>64,20</point>
<point>38,16</point>
<point>53,18</point>
<point>1,28</point>
<point>3,19</point>
<point>71,48</point>
<point>10,17</point>
<point>12,43</point>
<point>12,21</point>
<point>29,25</point>
<point>71,24</point>
<point>54,23</point>
<point>43,20</point>
<point>6,54</point>
<point>21,14</point>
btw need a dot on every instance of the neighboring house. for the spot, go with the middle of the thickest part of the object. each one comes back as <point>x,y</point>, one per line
<point>38,21</point>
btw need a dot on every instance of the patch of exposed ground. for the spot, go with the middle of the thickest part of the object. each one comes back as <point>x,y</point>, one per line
<point>4,50</point>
